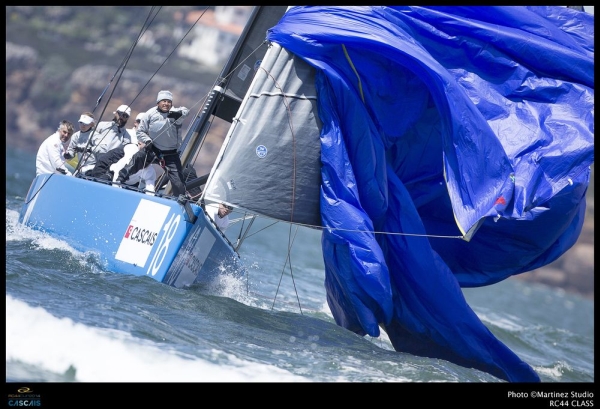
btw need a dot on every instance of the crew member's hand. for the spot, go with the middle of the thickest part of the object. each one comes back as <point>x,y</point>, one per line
<point>178,114</point>
<point>82,149</point>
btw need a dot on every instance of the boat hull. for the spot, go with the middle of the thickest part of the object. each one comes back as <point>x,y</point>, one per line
<point>131,232</point>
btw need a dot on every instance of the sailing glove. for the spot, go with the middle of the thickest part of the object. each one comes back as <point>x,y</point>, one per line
<point>178,114</point>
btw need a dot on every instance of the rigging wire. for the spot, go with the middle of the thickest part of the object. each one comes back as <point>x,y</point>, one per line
<point>147,23</point>
<point>315,227</point>
<point>291,222</point>
<point>288,258</point>
<point>171,53</point>
<point>292,201</point>
<point>462,237</point>
<point>165,60</point>
<point>217,82</point>
<point>154,10</point>
<point>291,237</point>
<point>118,74</point>
<point>152,14</point>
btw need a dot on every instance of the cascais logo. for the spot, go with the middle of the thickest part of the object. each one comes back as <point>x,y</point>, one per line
<point>143,236</point>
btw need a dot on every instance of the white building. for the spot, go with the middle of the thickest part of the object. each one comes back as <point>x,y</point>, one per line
<point>215,34</point>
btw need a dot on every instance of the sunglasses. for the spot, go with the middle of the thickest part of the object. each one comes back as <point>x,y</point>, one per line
<point>123,114</point>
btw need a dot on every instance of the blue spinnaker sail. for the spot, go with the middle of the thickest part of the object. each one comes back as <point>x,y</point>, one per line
<point>442,123</point>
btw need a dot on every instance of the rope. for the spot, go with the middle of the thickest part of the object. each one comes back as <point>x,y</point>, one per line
<point>288,258</point>
<point>120,70</point>
<point>315,227</point>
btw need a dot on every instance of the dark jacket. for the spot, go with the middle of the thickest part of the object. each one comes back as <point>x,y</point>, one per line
<point>138,161</point>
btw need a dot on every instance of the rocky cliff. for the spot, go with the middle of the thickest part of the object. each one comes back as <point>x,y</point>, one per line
<point>61,60</point>
<point>574,270</point>
<point>35,103</point>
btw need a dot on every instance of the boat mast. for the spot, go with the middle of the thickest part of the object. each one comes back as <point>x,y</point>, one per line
<point>220,103</point>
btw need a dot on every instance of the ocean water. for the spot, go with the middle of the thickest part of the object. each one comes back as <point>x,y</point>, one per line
<point>68,320</point>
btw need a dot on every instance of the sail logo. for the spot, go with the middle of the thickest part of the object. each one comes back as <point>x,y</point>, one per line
<point>143,236</point>
<point>261,151</point>
<point>141,232</point>
<point>243,73</point>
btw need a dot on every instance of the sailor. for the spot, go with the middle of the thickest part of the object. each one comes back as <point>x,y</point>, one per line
<point>161,127</point>
<point>50,157</point>
<point>133,130</point>
<point>220,214</point>
<point>108,135</point>
<point>79,140</point>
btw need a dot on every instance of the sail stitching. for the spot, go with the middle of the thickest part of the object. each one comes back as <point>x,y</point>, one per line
<point>283,94</point>
<point>294,169</point>
<point>287,106</point>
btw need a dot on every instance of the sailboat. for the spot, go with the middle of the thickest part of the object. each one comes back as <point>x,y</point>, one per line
<point>169,239</point>
<point>435,147</point>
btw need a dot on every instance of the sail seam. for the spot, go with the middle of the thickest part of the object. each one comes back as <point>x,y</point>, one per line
<point>277,94</point>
